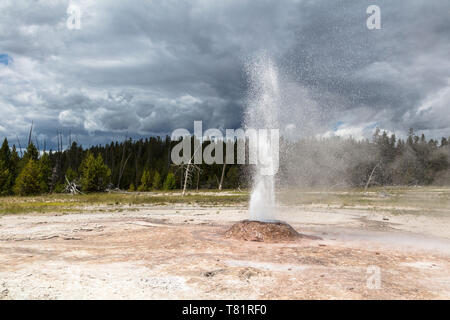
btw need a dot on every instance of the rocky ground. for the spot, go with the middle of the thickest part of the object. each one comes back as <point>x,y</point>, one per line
<point>180,251</point>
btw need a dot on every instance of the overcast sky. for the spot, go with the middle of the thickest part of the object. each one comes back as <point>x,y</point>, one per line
<point>147,67</point>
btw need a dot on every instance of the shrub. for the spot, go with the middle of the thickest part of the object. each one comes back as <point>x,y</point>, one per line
<point>157,183</point>
<point>29,181</point>
<point>5,179</point>
<point>45,171</point>
<point>71,175</point>
<point>94,173</point>
<point>146,181</point>
<point>169,182</point>
<point>58,188</point>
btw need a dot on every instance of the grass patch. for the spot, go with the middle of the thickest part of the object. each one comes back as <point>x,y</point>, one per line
<point>17,207</point>
<point>68,203</point>
<point>397,200</point>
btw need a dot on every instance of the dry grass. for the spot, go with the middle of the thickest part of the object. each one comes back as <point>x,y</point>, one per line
<point>69,203</point>
<point>396,200</point>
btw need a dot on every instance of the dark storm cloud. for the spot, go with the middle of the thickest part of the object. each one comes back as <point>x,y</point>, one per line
<point>390,72</point>
<point>147,67</point>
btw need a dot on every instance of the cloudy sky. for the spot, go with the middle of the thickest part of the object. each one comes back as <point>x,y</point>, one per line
<point>141,68</point>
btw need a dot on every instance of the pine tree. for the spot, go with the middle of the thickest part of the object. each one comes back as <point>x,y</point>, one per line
<point>146,181</point>
<point>233,177</point>
<point>169,182</point>
<point>15,160</point>
<point>411,135</point>
<point>157,183</point>
<point>5,179</point>
<point>45,171</point>
<point>5,153</point>
<point>31,153</point>
<point>29,181</point>
<point>71,175</point>
<point>6,170</point>
<point>94,173</point>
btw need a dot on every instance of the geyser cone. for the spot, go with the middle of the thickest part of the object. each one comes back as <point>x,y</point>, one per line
<point>264,231</point>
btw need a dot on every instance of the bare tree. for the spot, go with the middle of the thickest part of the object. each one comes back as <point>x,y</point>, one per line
<point>56,170</point>
<point>223,174</point>
<point>189,170</point>
<point>72,187</point>
<point>20,147</point>
<point>29,136</point>
<point>187,176</point>
<point>122,169</point>
<point>371,175</point>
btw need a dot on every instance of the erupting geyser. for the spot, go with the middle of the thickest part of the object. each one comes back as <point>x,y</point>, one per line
<point>262,113</point>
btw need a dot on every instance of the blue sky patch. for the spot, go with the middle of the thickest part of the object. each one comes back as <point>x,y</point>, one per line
<point>337,125</point>
<point>373,125</point>
<point>5,59</point>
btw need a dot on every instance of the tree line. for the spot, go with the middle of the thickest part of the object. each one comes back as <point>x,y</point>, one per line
<point>383,160</point>
<point>140,165</point>
<point>144,165</point>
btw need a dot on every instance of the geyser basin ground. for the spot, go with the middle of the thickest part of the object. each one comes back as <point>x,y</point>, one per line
<point>264,231</point>
<point>162,246</point>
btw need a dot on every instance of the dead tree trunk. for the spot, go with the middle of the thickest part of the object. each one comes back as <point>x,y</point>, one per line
<point>72,187</point>
<point>122,163</point>
<point>188,167</point>
<point>122,169</point>
<point>223,174</point>
<point>29,136</point>
<point>20,147</point>
<point>371,175</point>
<point>56,170</point>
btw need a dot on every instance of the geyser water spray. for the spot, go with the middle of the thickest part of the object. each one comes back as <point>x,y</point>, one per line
<point>263,113</point>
